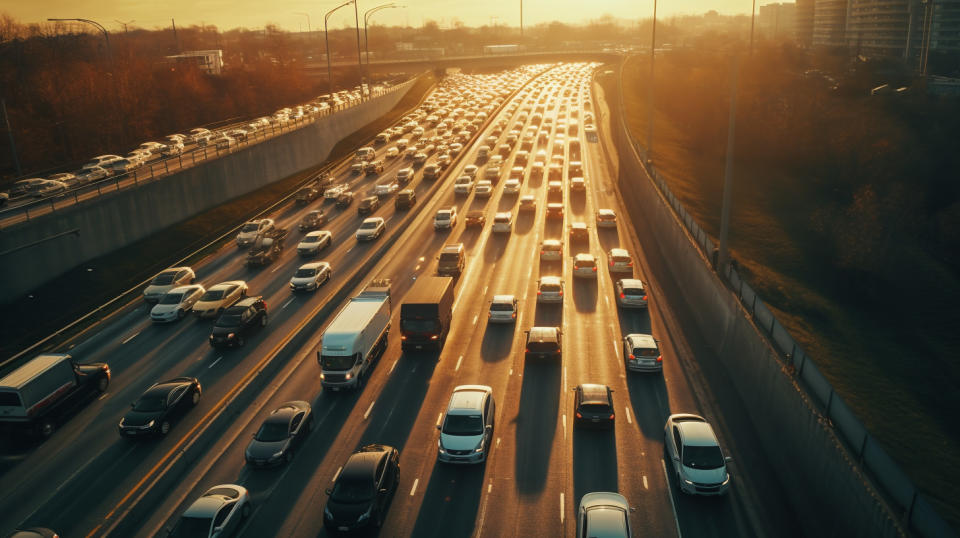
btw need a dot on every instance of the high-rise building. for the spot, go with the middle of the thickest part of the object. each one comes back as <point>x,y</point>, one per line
<point>777,21</point>
<point>830,23</point>
<point>804,22</point>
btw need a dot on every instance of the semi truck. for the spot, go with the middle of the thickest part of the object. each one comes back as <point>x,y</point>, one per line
<point>356,338</point>
<point>426,313</point>
<point>35,397</point>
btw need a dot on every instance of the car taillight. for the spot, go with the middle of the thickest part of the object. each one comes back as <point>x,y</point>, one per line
<point>611,263</point>
<point>594,269</point>
<point>514,315</point>
<point>434,337</point>
<point>623,296</point>
<point>403,337</point>
<point>629,264</point>
<point>560,294</point>
<point>539,293</point>
<point>644,297</point>
<point>659,358</point>
<point>631,356</point>
<point>526,350</point>
<point>612,416</point>
<point>579,415</point>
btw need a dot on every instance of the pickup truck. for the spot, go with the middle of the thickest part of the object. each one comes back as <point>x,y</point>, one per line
<point>35,397</point>
<point>266,247</point>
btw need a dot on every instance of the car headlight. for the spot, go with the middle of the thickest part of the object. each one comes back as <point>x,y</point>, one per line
<point>479,447</point>
<point>440,447</point>
<point>231,336</point>
<point>366,515</point>
<point>326,513</point>
<point>276,454</point>
<point>688,482</point>
<point>348,376</point>
<point>151,424</point>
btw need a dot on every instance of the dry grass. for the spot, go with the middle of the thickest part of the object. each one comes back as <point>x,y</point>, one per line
<point>877,328</point>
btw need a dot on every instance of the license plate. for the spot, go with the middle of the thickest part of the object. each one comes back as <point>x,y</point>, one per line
<point>335,388</point>
<point>343,528</point>
<point>594,419</point>
<point>419,347</point>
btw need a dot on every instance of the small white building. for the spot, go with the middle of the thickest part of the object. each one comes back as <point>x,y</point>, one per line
<point>210,61</point>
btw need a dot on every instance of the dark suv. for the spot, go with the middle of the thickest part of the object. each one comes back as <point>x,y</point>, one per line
<point>363,489</point>
<point>368,205</point>
<point>405,199</point>
<point>238,322</point>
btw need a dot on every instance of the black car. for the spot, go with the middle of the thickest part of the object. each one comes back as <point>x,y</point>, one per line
<point>345,199</point>
<point>405,199</point>
<point>368,205</point>
<point>161,404</point>
<point>312,221</point>
<point>237,322</point>
<point>284,430</point>
<point>593,406</point>
<point>363,489</point>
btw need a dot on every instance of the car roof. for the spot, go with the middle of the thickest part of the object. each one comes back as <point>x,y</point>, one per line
<point>594,393</point>
<point>508,299</point>
<point>456,247</point>
<point>619,252</point>
<point>373,219</point>
<point>317,233</point>
<point>244,303</point>
<point>543,334</point>
<point>211,501</point>
<point>467,398</point>
<point>696,432</point>
<point>642,340</point>
<point>584,257</point>
<point>605,212</point>
<point>225,285</point>
<point>360,466</point>
<point>164,387</point>
<point>550,280</point>
<point>579,225</point>
<point>312,265</point>
<point>632,283</point>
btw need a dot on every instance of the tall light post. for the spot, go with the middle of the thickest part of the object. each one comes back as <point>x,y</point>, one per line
<point>124,24</point>
<point>326,38</point>
<point>307,15</point>
<point>106,35</point>
<point>753,16</point>
<point>653,55</point>
<point>366,18</point>
<point>356,19</point>
<point>723,255</point>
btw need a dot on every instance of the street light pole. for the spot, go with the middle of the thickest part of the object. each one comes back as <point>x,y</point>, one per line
<point>723,254</point>
<point>753,16</point>
<point>653,54</point>
<point>356,20</point>
<point>307,15</point>
<point>326,38</point>
<point>366,17</point>
<point>106,35</point>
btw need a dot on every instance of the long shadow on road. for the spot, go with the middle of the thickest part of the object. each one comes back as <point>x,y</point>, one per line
<point>594,462</point>
<point>451,501</point>
<point>536,423</point>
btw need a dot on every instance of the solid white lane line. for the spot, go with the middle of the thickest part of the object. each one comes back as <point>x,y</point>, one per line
<point>214,363</point>
<point>645,484</point>
<point>607,299</point>
<point>673,506</point>
<point>616,348</point>
<point>498,442</point>
<point>102,396</point>
<point>511,371</point>
<point>564,377</point>
<point>629,420</point>
<point>131,337</point>
<point>367,414</point>
<point>336,474</point>
<point>485,291</point>
<point>414,488</point>
<point>562,507</point>
<point>458,363</point>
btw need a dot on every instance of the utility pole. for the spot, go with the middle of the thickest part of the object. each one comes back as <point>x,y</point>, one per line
<point>753,16</point>
<point>176,40</point>
<point>124,24</point>
<point>521,20</point>
<point>724,254</point>
<point>13,146</point>
<point>356,18</point>
<point>653,55</point>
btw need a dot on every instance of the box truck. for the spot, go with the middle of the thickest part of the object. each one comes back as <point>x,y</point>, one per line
<point>426,313</point>
<point>356,338</point>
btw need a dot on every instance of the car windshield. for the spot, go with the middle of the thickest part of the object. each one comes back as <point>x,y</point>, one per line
<point>150,403</point>
<point>305,272</point>
<point>595,408</point>
<point>632,291</point>
<point>583,262</point>
<point>311,239</point>
<point>192,527</point>
<point>250,227</point>
<point>449,257</point>
<point>164,279</point>
<point>352,491</point>
<point>646,352</point>
<point>550,287</point>
<point>271,432</point>
<point>368,226</point>
<point>702,457</point>
<point>539,347</point>
<point>336,362</point>
<point>171,298</point>
<point>213,295</point>
<point>229,319</point>
<point>463,425</point>
<point>502,307</point>
<point>418,325</point>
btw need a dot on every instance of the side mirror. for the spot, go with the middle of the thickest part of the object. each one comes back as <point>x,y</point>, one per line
<point>728,459</point>
<point>329,491</point>
<point>489,428</point>
<point>383,491</point>
<point>438,426</point>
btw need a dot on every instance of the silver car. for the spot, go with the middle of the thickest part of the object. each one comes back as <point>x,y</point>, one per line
<point>603,514</point>
<point>310,276</point>
<point>631,293</point>
<point>503,309</point>
<point>695,454</point>
<point>466,433</point>
<point>641,353</point>
<point>218,512</point>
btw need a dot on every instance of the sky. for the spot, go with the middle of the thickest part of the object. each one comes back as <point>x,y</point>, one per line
<point>228,14</point>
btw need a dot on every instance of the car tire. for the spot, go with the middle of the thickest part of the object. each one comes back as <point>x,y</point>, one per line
<point>361,381</point>
<point>287,457</point>
<point>102,384</point>
<point>195,398</point>
<point>46,428</point>
<point>180,314</point>
<point>165,427</point>
<point>241,341</point>
<point>263,321</point>
<point>245,511</point>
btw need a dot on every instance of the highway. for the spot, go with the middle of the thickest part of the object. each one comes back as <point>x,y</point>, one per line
<point>85,479</point>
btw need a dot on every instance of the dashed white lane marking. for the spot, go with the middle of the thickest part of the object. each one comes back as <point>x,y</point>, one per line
<point>475,318</point>
<point>214,363</point>
<point>336,474</point>
<point>485,290</point>
<point>275,269</point>
<point>349,249</point>
<point>286,303</point>
<point>367,414</point>
<point>629,420</point>
<point>645,484</point>
<point>562,507</point>
<point>673,506</point>
<point>417,268</point>
<point>511,371</point>
<point>131,337</point>
<point>616,349</point>
<point>414,488</point>
<point>498,442</point>
<point>458,363</point>
<point>489,486</point>
<point>394,365</point>
<point>607,299</point>
<point>564,425</point>
<point>564,377</point>
<point>102,396</point>
<point>439,417</point>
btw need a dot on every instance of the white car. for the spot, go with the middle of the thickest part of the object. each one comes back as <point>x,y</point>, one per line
<point>470,170</point>
<point>358,167</point>
<point>528,202</point>
<point>195,135</point>
<point>371,228</point>
<point>502,222</point>
<point>503,309</point>
<point>314,242</point>
<point>511,186</point>
<point>216,299</point>
<point>166,281</point>
<point>463,185</point>
<point>404,175</point>
<point>466,432</point>
<point>218,513</point>
<point>172,148</point>
<point>250,230</point>
<point>604,514</point>
<point>92,172</point>
<point>606,218</point>
<point>310,276</point>
<point>620,261</point>
<point>550,289</point>
<point>334,191</point>
<point>392,153</point>
<point>695,455</point>
<point>551,250</point>
<point>176,303</point>
<point>386,188</point>
<point>103,160</point>
<point>585,265</point>
<point>445,219</point>
<point>483,189</point>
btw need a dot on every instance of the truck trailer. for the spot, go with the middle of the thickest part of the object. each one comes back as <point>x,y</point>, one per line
<point>426,313</point>
<point>356,338</point>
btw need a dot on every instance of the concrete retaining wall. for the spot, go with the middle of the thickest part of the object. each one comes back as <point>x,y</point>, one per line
<point>827,488</point>
<point>120,218</point>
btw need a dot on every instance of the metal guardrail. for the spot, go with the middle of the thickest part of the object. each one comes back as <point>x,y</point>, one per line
<point>166,166</point>
<point>918,514</point>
